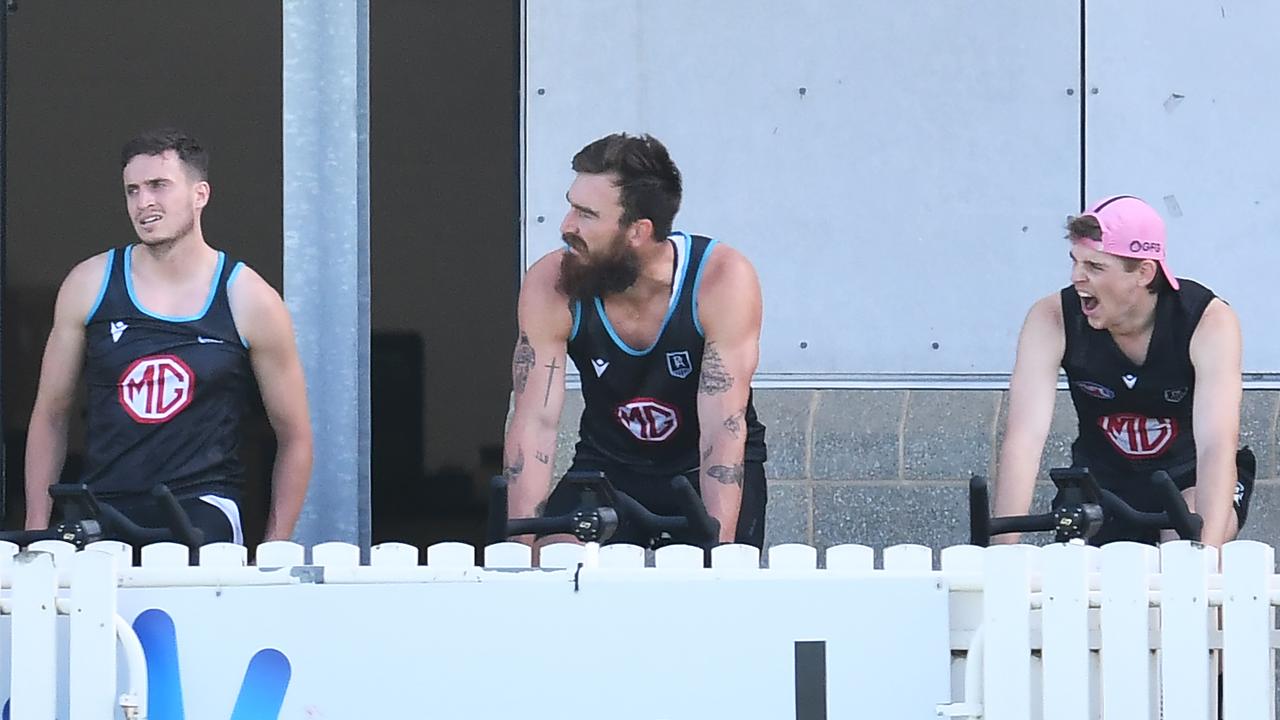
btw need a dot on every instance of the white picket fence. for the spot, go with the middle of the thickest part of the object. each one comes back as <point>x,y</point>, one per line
<point>1065,631</point>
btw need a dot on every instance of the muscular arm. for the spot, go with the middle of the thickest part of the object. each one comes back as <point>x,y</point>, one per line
<point>1032,388</point>
<point>1215,353</point>
<point>263,320</point>
<point>537,378</point>
<point>730,310</point>
<point>55,394</point>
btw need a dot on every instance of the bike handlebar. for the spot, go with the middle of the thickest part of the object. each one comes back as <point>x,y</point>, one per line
<point>1176,515</point>
<point>693,519</point>
<point>87,520</point>
<point>180,528</point>
<point>607,510</point>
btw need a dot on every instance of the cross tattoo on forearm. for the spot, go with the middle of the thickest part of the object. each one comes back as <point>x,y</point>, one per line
<point>550,376</point>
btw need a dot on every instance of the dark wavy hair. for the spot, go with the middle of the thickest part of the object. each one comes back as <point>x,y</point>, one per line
<point>648,181</point>
<point>156,142</point>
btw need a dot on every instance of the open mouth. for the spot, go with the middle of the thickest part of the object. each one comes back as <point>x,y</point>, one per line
<point>1088,303</point>
<point>149,220</point>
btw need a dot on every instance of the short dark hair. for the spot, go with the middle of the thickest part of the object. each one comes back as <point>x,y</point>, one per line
<point>156,142</point>
<point>1086,227</point>
<point>648,181</point>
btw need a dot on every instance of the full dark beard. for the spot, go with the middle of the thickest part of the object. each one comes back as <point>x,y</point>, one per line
<point>584,279</point>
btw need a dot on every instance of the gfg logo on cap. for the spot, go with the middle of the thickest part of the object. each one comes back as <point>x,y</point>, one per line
<point>1144,246</point>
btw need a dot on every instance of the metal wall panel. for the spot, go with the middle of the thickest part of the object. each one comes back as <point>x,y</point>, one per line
<point>1181,111</point>
<point>898,171</point>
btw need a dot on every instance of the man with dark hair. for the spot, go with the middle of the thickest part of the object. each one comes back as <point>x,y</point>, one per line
<point>665,329</point>
<point>1153,365</point>
<point>170,335</point>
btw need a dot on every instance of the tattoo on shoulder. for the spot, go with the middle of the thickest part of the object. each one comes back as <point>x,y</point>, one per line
<point>733,423</point>
<point>726,475</point>
<point>513,469</point>
<point>541,457</point>
<point>715,378</point>
<point>522,362</point>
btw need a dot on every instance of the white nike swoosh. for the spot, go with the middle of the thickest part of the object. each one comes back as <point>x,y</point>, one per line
<point>203,339</point>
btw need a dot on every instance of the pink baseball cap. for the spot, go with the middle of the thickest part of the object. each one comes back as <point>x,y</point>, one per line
<point>1130,228</point>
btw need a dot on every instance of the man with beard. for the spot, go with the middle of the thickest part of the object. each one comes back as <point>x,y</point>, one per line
<point>665,329</point>
<point>1153,365</point>
<point>171,335</point>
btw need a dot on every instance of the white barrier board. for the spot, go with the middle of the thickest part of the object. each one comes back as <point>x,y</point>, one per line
<point>616,644</point>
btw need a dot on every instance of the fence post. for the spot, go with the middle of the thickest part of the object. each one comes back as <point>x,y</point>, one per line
<point>1006,624</point>
<point>1127,659</point>
<point>1065,623</point>
<point>33,660</point>
<point>92,667</point>
<point>1185,665</point>
<point>1247,620</point>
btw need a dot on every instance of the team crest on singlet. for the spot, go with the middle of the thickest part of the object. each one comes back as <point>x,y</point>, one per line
<point>648,419</point>
<point>156,388</point>
<point>679,364</point>
<point>1093,389</point>
<point>1139,437</point>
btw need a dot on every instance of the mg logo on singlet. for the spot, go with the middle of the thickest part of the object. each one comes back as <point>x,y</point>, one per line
<point>648,419</point>
<point>156,388</point>
<point>1138,436</point>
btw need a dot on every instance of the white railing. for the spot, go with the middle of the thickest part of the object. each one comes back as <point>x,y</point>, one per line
<point>1065,631</point>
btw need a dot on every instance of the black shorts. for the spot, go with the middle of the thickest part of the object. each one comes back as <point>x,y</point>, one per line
<point>144,511</point>
<point>1139,493</point>
<point>655,495</point>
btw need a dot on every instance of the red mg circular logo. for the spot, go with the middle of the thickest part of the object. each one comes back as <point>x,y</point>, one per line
<point>1138,436</point>
<point>155,388</point>
<point>648,419</point>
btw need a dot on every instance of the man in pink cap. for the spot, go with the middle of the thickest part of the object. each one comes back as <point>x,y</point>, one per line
<point>1153,366</point>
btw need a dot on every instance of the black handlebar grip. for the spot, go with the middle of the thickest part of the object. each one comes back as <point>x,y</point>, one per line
<point>1187,524</point>
<point>179,522</point>
<point>498,509</point>
<point>701,524</point>
<point>540,525</point>
<point>979,512</point>
<point>23,538</point>
<point>1023,523</point>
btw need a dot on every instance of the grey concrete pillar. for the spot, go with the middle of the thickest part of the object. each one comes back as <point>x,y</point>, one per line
<point>326,252</point>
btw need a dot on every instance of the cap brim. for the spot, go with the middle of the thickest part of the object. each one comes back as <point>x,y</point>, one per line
<point>1168,275</point>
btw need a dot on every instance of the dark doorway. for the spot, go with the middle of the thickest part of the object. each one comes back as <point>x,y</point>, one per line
<point>85,76</point>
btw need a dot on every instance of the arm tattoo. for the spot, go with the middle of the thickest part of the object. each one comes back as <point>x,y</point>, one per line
<point>727,475</point>
<point>733,423</point>
<point>541,457</point>
<point>551,375</point>
<point>522,363</point>
<point>513,469</point>
<point>706,453</point>
<point>715,378</point>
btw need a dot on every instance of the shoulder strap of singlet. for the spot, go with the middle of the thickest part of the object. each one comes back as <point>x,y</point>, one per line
<point>107,276</point>
<point>700,249</point>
